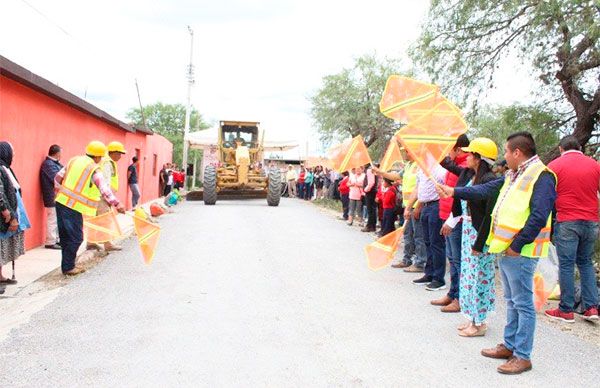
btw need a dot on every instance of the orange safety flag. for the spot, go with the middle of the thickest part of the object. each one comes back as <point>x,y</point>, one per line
<point>350,154</point>
<point>430,138</point>
<point>405,99</point>
<point>314,161</point>
<point>147,234</point>
<point>540,293</point>
<point>392,156</point>
<point>336,153</point>
<point>381,252</point>
<point>101,228</point>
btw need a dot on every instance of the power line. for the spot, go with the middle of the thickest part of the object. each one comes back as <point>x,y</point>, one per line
<point>81,47</point>
<point>47,18</point>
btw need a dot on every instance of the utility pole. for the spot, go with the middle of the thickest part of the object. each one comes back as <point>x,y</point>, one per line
<point>188,108</point>
<point>141,106</point>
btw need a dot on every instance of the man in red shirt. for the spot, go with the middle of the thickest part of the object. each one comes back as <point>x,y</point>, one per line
<point>177,179</point>
<point>452,229</point>
<point>576,229</point>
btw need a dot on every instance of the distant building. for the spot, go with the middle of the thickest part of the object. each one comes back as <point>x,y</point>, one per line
<point>35,113</point>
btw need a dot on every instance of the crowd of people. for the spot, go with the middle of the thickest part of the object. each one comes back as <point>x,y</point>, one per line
<point>170,177</point>
<point>85,187</point>
<point>309,183</point>
<point>473,214</point>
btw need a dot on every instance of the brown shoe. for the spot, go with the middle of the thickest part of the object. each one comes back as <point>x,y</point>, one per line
<point>443,301</point>
<point>414,269</point>
<point>75,271</point>
<point>500,352</point>
<point>400,265</point>
<point>515,366</point>
<point>453,307</point>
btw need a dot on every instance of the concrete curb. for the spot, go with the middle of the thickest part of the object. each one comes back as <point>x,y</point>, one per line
<point>39,262</point>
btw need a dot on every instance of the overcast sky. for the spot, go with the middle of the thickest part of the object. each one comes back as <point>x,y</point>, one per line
<point>254,59</point>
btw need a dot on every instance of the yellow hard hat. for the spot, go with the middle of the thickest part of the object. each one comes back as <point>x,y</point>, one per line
<point>140,213</point>
<point>484,147</point>
<point>115,146</point>
<point>95,148</point>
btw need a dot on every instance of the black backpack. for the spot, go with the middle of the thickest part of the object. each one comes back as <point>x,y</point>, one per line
<point>398,209</point>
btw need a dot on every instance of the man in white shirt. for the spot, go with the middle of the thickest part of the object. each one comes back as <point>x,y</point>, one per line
<point>427,211</point>
<point>290,177</point>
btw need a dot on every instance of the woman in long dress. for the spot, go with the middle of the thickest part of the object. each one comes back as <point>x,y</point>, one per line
<point>14,219</point>
<point>477,293</point>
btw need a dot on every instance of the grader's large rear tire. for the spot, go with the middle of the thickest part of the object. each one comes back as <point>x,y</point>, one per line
<point>274,191</point>
<point>210,185</point>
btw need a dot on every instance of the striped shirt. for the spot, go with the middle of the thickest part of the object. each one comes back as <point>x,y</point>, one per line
<point>426,188</point>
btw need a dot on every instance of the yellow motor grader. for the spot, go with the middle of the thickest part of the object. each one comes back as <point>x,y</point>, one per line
<point>239,174</point>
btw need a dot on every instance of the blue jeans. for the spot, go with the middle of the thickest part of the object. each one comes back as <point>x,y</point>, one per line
<point>453,248</point>
<point>517,280</point>
<point>345,205</point>
<point>435,267</point>
<point>387,224</point>
<point>135,194</point>
<point>70,232</point>
<point>301,187</point>
<point>414,246</point>
<point>574,241</point>
<point>308,192</point>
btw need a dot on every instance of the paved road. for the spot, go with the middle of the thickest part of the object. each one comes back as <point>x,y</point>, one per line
<point>241,294</point>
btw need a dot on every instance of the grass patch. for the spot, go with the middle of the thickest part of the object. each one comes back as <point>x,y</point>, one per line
<point>329,204</point>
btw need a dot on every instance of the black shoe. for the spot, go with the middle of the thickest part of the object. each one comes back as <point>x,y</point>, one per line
<point>435,286</point>
<point>53,246</point>
<point>422,280</point>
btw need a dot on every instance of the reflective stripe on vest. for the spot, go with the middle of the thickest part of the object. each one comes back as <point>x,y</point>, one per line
<point>77,190</point>
<point>512,211</point>
<point>409,182</point>
<point>114,177</point>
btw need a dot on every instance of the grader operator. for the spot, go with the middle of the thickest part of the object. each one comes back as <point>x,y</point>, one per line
<point>238,175</point>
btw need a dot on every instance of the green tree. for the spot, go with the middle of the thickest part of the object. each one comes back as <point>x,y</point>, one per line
<point>466,40</point>
<point>168,120</point>
<point>347,104</point>
<point>498,122</point>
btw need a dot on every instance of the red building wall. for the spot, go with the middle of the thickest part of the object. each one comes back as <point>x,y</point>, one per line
<point>32,121</point>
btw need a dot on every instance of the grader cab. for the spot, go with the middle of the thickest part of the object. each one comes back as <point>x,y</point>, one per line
<point>239,173</point>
